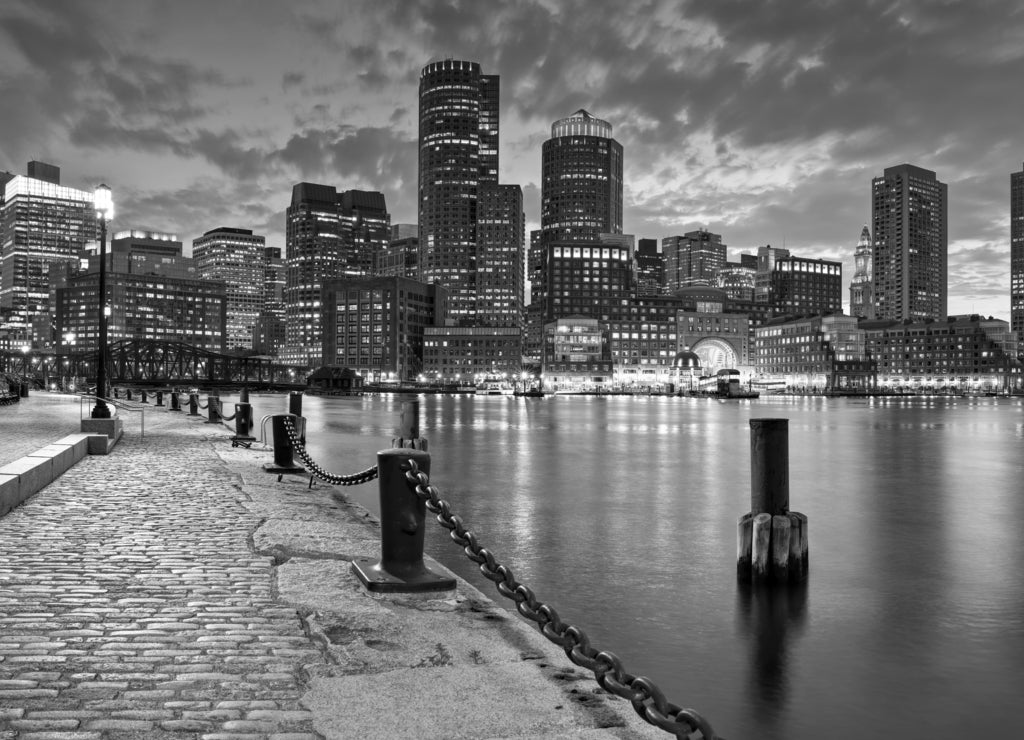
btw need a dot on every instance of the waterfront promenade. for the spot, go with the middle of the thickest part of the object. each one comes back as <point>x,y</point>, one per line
<point>173,589</point>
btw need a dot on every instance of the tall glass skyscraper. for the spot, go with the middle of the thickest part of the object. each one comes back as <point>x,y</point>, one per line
<point>42,223</point>
<point>909,260</point>
<point>1017,253</point>
<point>458,153</point>
<point>237,258</point>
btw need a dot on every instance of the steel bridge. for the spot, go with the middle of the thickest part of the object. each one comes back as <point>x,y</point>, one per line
<point>153,362</point>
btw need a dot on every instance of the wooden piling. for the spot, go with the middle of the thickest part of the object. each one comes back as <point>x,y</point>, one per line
<point>744,545</point>
<point>760,552</point>
<point>780,548</point>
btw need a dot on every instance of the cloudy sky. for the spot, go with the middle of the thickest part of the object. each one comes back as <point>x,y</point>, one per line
<point>760,120</point>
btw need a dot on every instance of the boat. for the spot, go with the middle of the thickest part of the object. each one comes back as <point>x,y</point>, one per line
<point>530,393</point>
<point>494,386</point>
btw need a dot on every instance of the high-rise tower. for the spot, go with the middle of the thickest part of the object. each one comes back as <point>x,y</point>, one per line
<point>1017,253</point>
<point>692,259</point>
<point>909,257</point>
<point>581,191</point>
<point>862,304</point>
<point>458,152</point>
<point>236,257</point>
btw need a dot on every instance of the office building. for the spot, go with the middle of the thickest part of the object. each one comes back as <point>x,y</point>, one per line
<point>1017,252</point>
<point>862,301</point>
<point>650,268</point>
<point>581,193</point>
<point>467,354</point>
<point>593,279</point>
<point>42,223</point>
<point>375,325</point>
<point>237,258</point>
<point>766,258</point>
<point>800,285</point>
<point>738,279</point>
<point>501,279</point>
<point>692,259</point>
<point>458,152</point>
<point>328,235</point>
<point>576,356</point>
<point>909,228</point>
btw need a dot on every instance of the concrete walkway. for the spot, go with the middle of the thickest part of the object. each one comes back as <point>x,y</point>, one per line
<point>172,589</point>
<point>35,422</point>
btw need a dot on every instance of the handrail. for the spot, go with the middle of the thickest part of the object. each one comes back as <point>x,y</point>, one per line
<point>82,397</point>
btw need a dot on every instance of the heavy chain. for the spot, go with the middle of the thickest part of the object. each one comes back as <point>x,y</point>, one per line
<point>646,698</point>
<point>333,478</point>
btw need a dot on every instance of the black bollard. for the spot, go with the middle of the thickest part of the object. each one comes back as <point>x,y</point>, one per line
<point>243,395</point>
<point>243,423</point>
<point>115,392</point>
<point>142,396</point>
<point>213,415</point>
<point>283,462</point>
<point>402,528</point>
<point>175,404</point>
<point>159,398</point>
<point>24,390</point>
<point>295,403</point>
<point>128,393</point>
<point>193,404</point>
<point>771,539</point>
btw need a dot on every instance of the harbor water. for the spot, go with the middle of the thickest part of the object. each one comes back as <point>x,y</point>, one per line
<point>621,513</point>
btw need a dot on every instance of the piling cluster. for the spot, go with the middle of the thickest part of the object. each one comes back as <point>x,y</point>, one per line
<point>771,539</point>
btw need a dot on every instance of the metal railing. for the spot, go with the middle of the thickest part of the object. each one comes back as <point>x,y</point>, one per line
<point>118,406</point>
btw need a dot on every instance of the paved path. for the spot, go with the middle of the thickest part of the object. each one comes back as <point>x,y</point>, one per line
<point>132,605</point>
<point>172,589</point>
<point>35,422</point>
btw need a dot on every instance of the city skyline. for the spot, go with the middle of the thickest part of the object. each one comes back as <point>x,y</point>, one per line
<point>763,124</point>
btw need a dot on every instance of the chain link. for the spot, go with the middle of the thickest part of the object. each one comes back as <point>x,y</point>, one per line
<point>647,699</point>
<point>338,480</point>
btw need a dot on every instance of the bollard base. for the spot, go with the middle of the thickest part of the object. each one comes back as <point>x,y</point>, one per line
<point>274,468</point>
<point>372,575</point>
<point>242,440</point>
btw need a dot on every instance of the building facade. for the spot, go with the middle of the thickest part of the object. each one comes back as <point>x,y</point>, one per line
<point>738,279</point>
<point>42,223</point>
<point>593,279</point>
<point>692,259</point>
<point>501,278</point>
<point>1017,252</point>
<point>862,299</point>
<point>576,356</point>
<point>458,152</point>
<point>650,268</point>
<point>467,354</point>
<point>236,257</point>
<point>909,258</point>
<point>375,325</point>
<point>800,285</point>
<point>328,235</point>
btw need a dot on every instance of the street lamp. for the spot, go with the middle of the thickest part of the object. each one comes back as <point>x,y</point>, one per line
<point>104,211</point>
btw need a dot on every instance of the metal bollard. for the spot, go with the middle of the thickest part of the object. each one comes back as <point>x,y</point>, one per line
<point>295,403</point>
<point>128,393</point>
<point>143,398</point>
<point>243,423</point>
<point>771,539</point>
<point>159,398</point>
<point>193,404</point>
<point>175,404</point>
<point>402,528</point>
<point>283,462</point>
<point>213,415</point>
<point>243,395</point>
<point>24,390</point>
<point>114,391</point>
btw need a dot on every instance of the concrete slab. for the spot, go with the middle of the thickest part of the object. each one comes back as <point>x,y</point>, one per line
<point>10,492</point>
<point>459,703</point>
<point>62,457</point>
<point>79,444</point>
<point>111,428</point>
<point>343,540</point>
<point>35,473</point>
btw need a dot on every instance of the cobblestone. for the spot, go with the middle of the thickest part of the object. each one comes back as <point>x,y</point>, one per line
<point>134,606</point>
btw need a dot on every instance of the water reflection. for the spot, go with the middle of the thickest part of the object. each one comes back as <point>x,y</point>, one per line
<point>771,620</point>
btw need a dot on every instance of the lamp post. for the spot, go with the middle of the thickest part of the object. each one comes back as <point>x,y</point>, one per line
<point>104,211</point>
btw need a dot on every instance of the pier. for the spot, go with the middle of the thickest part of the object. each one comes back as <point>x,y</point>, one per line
<point>173,588</point>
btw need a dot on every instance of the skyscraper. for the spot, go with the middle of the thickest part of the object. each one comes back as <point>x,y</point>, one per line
<point>581,193</point>
<point>909,223</point>
<point>693,259</point>
<point>501,281</point>
<point>238,258</point>
<point>42,223</point>
<point>458,152</point>
<point>1017,253</point>
<point>862,304</point>
<point>327,235</point>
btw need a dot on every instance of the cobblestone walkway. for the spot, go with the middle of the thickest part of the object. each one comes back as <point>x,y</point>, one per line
<point>35,422</point>
<point>132,605</point>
